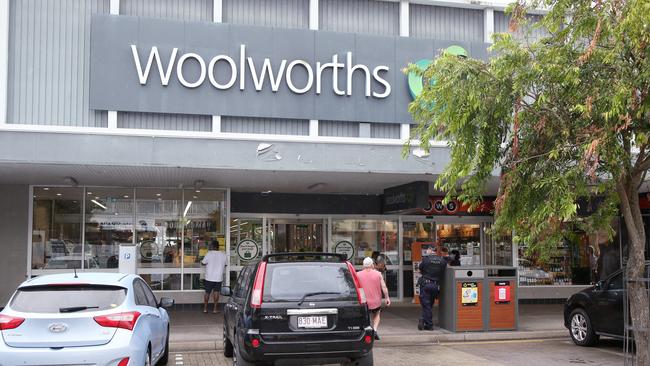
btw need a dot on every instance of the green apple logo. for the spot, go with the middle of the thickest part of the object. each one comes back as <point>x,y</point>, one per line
<point>416,84</point>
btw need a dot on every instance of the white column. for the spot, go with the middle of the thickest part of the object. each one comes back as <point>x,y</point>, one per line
<point>405,132</point>
<point>313,14</point>
<point>313,127</point>
<point>216,124</point>
<point>4,59</point>
<point>112,115</point>
<point>217,11</point>
<point>488,24</point>
<point>112,120</point>
<point>404,18</point>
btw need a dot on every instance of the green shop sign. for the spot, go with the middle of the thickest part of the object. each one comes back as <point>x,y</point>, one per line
<point>416,82</point>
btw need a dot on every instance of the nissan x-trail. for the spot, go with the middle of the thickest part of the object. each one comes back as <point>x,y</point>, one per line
<point>298,306</point>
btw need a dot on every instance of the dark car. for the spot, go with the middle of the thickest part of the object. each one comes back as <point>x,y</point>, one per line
<point>597,310</point>
<point>300,306</point>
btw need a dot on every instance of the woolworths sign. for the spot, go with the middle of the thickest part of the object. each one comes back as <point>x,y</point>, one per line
<point>153,65</point>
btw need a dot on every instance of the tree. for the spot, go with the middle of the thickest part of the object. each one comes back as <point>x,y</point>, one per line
<point>564,118</point>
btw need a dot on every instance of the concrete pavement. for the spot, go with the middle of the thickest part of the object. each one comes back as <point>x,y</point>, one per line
<point>193,330</point>
<point>541,352</point>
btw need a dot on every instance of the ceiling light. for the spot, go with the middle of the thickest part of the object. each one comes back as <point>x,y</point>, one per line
<point>266,193</point>
<point>90,192</point>
<point>96,197</point>
<point>126,196</point>
<point>195,197</point>
<point>98,204</point>
<point>46,189</point>
<point>158,194</point>
<point>58,194</point>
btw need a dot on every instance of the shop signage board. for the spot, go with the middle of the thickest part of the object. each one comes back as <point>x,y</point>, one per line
<point>469,293</point>
<point>345,247</point>
<point>406,197</point>
<point>143,64</point>
<point>248,249</point>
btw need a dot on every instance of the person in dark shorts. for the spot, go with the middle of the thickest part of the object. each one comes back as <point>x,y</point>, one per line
<point>215,262</point>
<point>374,287</point>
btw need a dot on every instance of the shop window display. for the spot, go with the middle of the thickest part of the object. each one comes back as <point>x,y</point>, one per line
<point>203,216</point>
<point>465,238</point>
<point>581,259</point>
<point>56,230</point>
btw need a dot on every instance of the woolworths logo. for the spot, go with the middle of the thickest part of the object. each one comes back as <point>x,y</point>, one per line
<point>416,82</point>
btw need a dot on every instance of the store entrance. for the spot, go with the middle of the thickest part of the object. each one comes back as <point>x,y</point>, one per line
<point>296,236</point>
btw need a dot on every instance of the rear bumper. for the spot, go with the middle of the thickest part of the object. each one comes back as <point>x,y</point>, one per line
<point>121,346</point>
<point>322,349</point>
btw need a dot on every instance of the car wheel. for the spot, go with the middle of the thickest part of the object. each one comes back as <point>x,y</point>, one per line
<point>366,360</point>
<point>581,329</point>
<point>227,344</point>
<point>165,357</point>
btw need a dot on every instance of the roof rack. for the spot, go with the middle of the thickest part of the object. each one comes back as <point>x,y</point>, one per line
<point>304,255</point>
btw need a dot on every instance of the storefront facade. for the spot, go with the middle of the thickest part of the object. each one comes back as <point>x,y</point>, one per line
<point>266,126</point>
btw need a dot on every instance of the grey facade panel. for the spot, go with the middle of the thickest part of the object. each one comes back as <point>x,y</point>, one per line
<point>193,10</point>
<point>338,129</point>
<point>502,22</point>
<point>160,121</point>
<point>277,13</point>
<point>439,22</point>
<point>14,216</point>
<point>384,130</point>
<point>49,66</point>
<point>360,16</point>
<point>271,126</point>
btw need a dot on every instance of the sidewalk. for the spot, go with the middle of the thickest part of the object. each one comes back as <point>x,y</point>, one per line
<point>192,330</point>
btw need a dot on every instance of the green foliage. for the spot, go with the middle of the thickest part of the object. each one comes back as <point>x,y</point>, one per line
<point>557,117</point>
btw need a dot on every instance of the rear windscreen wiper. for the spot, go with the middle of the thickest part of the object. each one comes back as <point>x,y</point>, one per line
<point>74,309</point>
<point>316,293</point>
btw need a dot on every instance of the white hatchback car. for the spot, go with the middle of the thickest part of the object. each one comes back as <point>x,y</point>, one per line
<point>103,319</point>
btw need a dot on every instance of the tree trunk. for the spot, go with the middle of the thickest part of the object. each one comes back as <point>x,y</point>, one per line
<point>637,290</point>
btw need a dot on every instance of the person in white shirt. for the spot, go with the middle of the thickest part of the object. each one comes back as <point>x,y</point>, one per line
<point>215,262</point>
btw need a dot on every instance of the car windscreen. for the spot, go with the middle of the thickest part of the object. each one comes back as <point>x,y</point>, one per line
<point>67,298</point>
<point>319,281</point>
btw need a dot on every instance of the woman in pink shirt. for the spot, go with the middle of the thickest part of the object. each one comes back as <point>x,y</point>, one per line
<point>373,286</point>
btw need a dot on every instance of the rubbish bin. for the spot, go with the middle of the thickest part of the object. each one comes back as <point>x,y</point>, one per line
<point>503,300</point>
<point>479,298</point>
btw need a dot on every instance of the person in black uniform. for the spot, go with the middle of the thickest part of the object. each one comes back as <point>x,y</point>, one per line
<point>432,269</point>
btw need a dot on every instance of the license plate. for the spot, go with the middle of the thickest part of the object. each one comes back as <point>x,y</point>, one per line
<point>312,322</point>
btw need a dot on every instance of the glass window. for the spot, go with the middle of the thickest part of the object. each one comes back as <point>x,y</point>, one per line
<point>369,238</point>
<point>581,259</point>
<point>56,229</point>
<point>291,281</point>
<point>616,283</point>
<point>108,224</point>
<point>416,232</point>
<point>245,241</point>
<point>138,290</point>
<point>498,251</point>
<point>162,281</point>
<point>464,238</point>
<point>51,299</point>
<point>159,228</point>
<point>296,236</point>
<point>204,219</point>
<point>244,277</point>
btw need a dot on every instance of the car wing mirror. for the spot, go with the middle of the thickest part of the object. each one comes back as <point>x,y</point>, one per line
<point>225,291</point>
<point>599,286</point>
<point>166,302</point>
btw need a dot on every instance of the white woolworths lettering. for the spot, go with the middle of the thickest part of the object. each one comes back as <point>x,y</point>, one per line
<point>267,69</point>
<point>179,70</point>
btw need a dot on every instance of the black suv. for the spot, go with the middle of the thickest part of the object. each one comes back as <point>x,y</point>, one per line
<point>300,306</point>
<point>597,310</point>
